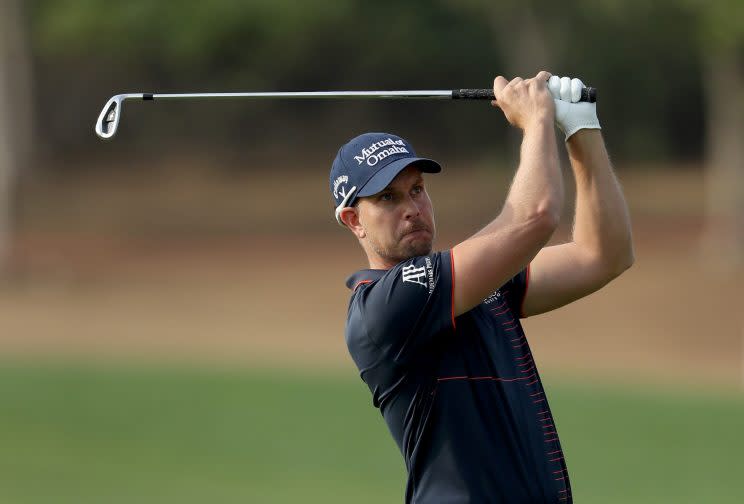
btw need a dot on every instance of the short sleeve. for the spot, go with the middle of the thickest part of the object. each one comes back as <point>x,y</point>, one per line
<point>410,305</point>
<point>515,291</point>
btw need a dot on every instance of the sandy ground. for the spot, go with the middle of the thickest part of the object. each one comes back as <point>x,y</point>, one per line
<point>277,298</point>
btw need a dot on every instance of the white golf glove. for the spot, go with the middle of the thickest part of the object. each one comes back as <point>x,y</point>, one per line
<point>571,115</point>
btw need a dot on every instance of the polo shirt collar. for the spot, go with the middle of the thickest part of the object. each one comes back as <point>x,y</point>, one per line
<point>364,276</point>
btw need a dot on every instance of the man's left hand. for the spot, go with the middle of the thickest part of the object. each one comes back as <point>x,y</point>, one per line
<point>571,115</point>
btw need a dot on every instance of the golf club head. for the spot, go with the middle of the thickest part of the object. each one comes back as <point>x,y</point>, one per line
<point>108,121</point>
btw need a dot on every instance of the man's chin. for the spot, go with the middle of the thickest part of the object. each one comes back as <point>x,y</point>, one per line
<point>406,250</point>
<point>417,248</point>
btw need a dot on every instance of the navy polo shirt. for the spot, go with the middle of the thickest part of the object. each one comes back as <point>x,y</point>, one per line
<point>461,396</point>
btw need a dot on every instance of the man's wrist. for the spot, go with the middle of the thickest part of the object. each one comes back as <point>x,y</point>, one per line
<point>584,138</point>
<point>541,123</point>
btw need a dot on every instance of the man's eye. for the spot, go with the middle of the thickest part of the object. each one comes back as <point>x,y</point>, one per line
<point>386,197</point>
<point>418,189</point>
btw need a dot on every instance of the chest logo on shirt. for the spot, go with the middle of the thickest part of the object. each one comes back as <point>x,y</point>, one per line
<point>496,296</point>
<point>422,275</point>
<point>414,275</point>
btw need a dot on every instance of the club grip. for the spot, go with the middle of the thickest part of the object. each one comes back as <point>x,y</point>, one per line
<point>588,94</point>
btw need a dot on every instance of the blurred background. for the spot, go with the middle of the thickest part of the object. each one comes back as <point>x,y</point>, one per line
<point>172,302</point>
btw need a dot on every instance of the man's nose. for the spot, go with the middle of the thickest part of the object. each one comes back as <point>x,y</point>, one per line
<point>412,209</point>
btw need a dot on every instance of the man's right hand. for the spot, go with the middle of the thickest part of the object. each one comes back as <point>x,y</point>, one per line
<point>525,102</point>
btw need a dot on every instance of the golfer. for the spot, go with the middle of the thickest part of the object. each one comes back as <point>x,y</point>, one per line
<point>437,335</point>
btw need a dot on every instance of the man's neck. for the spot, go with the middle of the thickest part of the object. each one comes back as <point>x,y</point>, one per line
<point>376,262</point>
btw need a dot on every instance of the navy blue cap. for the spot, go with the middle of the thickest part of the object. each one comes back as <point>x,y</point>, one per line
<point>366,164</point>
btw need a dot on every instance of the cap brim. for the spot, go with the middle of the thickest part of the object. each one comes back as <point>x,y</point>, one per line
<point>382,178</point>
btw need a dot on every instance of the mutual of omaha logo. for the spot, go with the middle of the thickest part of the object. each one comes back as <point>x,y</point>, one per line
<point>422,275</point>
<point>378,151</point>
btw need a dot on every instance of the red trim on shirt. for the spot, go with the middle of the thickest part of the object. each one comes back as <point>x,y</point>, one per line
<point>524,296</point>
<point>452,269</point>
<point>360,282</point>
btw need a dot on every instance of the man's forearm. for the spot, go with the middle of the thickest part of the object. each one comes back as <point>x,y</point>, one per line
<point>602,223</point>
<point>537,187</point>
<point>538,183</point>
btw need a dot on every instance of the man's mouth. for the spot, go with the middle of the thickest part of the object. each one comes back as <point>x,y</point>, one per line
<point>417,231</point>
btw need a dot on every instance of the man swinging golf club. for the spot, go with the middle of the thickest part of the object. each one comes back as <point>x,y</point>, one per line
<point>436,335</point>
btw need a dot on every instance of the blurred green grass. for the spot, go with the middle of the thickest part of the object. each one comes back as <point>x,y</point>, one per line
<point>117,433</point>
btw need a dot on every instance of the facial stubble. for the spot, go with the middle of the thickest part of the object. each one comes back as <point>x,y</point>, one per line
<point>403,249</point>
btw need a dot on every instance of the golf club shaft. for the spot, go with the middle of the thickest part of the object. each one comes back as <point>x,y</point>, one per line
<point>304,94</point>
<point>108,120</point>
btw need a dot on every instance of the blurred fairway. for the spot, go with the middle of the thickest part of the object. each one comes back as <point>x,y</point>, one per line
<point>81,433</point>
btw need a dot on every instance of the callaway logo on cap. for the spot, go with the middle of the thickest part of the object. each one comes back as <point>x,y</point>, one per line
<point>368,163</point>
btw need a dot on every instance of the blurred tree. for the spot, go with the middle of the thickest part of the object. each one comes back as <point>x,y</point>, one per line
<point>15,114</point>
<point>721,34</point>
<point>519,31</point>
<point>263,39</point>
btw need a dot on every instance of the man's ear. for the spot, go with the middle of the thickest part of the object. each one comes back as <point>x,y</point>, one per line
<point>350,217</point>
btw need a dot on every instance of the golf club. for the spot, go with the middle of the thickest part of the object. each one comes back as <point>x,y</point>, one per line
<point>108,120</point>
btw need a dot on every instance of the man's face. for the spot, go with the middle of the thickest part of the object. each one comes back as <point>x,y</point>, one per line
<point>398,221</point>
